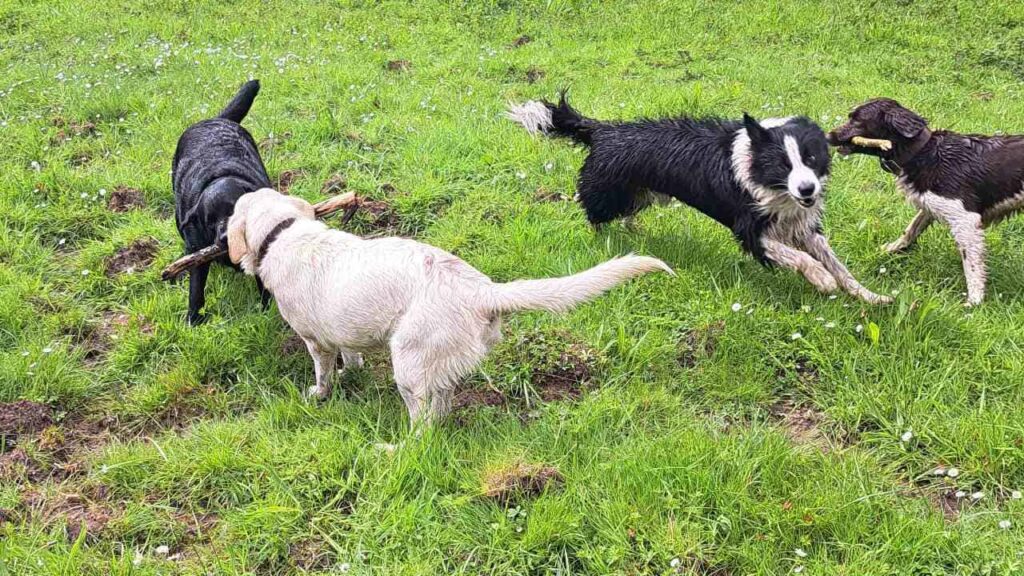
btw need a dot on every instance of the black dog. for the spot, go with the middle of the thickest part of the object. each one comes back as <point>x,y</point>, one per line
<point>763,180</point>
<point>965,181</point>
<point>215,163</point>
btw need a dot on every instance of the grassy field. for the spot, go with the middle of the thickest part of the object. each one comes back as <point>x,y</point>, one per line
<point>655,431</point>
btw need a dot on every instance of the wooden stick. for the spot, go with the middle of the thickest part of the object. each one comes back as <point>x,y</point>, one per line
<point>348,202</point>
<point>871,143</point>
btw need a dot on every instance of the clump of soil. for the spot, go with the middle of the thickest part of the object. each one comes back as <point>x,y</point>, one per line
<point>801,424</point>
<point>136,256</point>
<point>335,184</point>
<point>399,65</point>
<point>123,199</point>
<point>542,194</point>
<point>95,339</point>
<point>376,217</point>
<point>948,504</point>
<point>519,480</point>
<point>533,74</point>
<point>521,41</point>
<point>90,511</point>
<point>74,129</point>
<point>23,417</point>
<point>699,343</point>
<point>287,178</point>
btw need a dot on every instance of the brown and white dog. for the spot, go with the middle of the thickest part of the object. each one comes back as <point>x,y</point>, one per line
<point>965,181</point>
<point>438,315</point>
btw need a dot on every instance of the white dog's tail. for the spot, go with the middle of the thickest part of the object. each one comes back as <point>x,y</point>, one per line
<point>561,294</point>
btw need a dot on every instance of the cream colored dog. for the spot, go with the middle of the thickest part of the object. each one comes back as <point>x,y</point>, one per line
<point>438,315</point>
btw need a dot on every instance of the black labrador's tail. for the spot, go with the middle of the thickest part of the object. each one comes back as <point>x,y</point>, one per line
<point>240,104</point>
<point>555,119</point>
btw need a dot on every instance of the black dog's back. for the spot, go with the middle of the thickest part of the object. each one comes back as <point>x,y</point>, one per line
<point>215,163</point>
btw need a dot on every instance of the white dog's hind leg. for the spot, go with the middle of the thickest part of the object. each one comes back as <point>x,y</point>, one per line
<point>802,262</point>
<point>323,364</point>
<point>351,360</point>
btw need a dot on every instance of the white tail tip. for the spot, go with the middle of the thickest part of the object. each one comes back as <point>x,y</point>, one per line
<point>533,115</point>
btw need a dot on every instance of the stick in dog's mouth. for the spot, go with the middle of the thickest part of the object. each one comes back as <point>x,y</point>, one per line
<point>884,145</point>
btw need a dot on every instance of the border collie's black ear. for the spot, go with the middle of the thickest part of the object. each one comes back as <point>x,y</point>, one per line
<point>905,122</point>
<point>754,129</point>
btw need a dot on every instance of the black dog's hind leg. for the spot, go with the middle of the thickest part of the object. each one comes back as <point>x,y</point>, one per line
<point>605,199</point>
<point>197,294</point>
<point>264,294</point>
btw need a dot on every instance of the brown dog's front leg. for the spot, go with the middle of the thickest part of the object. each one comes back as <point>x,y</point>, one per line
<point>802,262</point>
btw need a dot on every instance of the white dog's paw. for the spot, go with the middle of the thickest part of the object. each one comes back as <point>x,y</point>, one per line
<point>974,300</point>
<point>317,393</point>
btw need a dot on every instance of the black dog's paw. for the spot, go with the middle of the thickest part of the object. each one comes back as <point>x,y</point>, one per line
<point>197,319</point>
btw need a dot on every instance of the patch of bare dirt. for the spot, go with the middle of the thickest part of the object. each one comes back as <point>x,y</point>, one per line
<point>312,555</point>
<point>543,194</point>
<point>136,256</point>
<point>533,74</point>
<point>334,185</point>
<point>81,159</point>
<point>801,424</point>
<point>87,510</point>
<point>948,504</point>
<point>23,417</point>
<point>519,480</point>
<point>16,466</point>
<point>399,65</point>
<point>74,129</point>
<point>474,397</point>
<point>124,198</point>
<point>287,178</point>
<point>521,41</point>
<point>699,343</point>
<point>377,216</point>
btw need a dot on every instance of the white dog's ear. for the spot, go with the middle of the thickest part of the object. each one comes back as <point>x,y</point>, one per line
<point>237,246</point>
<point>304,207</point>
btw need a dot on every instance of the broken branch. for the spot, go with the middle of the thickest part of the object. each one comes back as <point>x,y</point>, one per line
<point>348,202</point>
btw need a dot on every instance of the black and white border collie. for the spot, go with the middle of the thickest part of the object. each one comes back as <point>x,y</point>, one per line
<point>765,180</point>
<point>965,181</point>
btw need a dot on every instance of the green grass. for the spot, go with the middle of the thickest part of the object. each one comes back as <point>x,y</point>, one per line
<point>673,461</point>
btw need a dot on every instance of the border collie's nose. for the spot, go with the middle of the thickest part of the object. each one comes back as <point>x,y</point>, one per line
<point>806,189</point>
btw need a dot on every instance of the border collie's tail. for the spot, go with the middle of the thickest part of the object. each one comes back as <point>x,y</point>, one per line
<point>561,294</point>
<point>240,104</point>
<point>555,119</point>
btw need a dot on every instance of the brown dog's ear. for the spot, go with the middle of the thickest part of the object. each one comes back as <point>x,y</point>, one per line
<point>237,246</point>
<point>905,122</point>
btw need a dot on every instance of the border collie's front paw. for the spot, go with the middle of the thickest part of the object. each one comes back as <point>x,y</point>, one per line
<point>895,247</point>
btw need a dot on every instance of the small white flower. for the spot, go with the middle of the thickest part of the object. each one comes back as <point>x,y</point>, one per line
<point>103,191</point>
<point>1015,495</point>
<point>953,472</point>
<point>832,296</point>
<point>858,328</point>
<point>85,272</point>
<point>939,472</point>
<point>736,307</point>
<point>675,562</point>
<point>830,325</point>
<point>798,569</point>
<point>83,195</point>
<point>883,270</point>
<point>521,175</point>
<point>163,549</point>
<point>960,494</point>
<point>47,350</point>
<point>977,495</point>
<point>1005,524</point>
<point>796,336</point>
<point>805,309</point>
<point>549,166</point>
<point>907,436</point>
<point>800,552</point>
<point>62,241</point>
<point>344,567</point>
<point>35,166</point>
